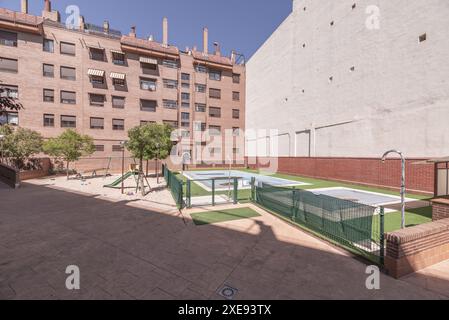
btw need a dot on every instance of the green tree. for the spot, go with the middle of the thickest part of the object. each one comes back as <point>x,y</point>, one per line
<point>149,142</point>
<point>20,144</point>
<point>70,146</point>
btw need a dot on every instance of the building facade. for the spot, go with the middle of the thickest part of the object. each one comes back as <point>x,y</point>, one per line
<point>102,83</point>
<point>353,78</point>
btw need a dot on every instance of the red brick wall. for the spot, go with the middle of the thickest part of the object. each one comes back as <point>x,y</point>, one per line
<point>367,171</point>
<point>440,211</point>
<point>45,164</point>
<point>416,248</point>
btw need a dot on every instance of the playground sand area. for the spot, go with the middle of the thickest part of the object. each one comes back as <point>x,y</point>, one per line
<point>160,199</point>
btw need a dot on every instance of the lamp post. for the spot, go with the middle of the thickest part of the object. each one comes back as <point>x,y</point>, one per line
<point>2,137</point>
<point>157,163</point>
<point>384,157</point>
<point>122,144</point>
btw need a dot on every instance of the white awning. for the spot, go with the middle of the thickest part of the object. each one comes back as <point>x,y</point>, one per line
<point>118,52</point>
<point>148,60</point>
<point>95,72</point>
<point>119,76</point>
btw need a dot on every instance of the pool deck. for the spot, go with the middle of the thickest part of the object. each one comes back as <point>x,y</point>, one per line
<point>126,250</point>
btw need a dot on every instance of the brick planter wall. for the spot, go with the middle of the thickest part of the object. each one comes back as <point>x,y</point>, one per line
<point>365,171</point>
<point>440,209</point>
<point>45,165</point>
<point>416,248</point>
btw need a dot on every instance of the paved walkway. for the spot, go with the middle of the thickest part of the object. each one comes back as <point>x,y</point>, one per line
<point>125,251</point>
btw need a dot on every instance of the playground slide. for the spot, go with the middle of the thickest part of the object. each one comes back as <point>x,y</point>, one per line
<point>119,180</point>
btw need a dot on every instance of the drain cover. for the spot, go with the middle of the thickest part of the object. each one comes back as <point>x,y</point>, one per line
<point>228,292</point>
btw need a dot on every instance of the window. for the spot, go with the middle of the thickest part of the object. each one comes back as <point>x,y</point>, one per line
<point>215,93</point>
<point>68,73</point>
<point>185,134</point>
<point>185,119</point>
<point>148,84</point>
<point>48,46</point>
<point>200,88</point>
<point>8,38</point>
<point>118,124</point>
<point>11,118</point>
<point>170,63</point>
<point>170,84</point>
<point>198,126</point>
<point>9,91</point>
<point>236,150</point>
<point>173,124</point>
<point>97,99</point>
<point>236,132</point>
<point>49,70</point>
<point>185,96</point>
<point>170,104</point>
<point>214,130</point>
<point>49,95</point>
<point>200,68</point>
<point>214,112</point>
<point>214,151</point>
<point>49,120</point>
<point>185,85</point>
<point>185,105</point>
<point>215,75</point>
<point>99,148</point>
<point>235,114</point>
<point>117,148</point>
<point>97,54</point>
<point>9,65</point>
<point>148,67</point>
<point>118,58</point>
<point>68,97</point>
<point>148,105</point>
<point>199,107</point>
<point>68,122</point>
<point>145,122</point>
<point>423,37</point>
<point>185,77</point>
<point>236,96</point>
<point>67,48</point>
<point>118,82</point>
<point>118,102</point>
<point>235,78</point>
<point>97,123</point>
<point>97,80</point>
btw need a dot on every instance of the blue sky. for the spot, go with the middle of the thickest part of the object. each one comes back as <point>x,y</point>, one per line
<point>243,25</point>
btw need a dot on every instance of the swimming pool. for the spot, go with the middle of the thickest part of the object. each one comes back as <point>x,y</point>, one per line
<point>204,179</point>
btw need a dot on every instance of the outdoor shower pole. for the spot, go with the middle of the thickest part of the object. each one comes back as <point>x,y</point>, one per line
<point>384,157</point>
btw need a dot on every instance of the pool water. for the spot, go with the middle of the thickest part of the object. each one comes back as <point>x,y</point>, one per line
<point>244,181</point>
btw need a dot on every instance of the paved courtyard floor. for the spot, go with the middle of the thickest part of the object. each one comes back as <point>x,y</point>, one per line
<point>126,249</point>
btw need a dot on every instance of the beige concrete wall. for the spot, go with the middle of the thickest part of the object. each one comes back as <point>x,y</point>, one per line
<point>396,96</point>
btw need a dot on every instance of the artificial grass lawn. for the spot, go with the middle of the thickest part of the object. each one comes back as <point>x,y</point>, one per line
<point>413,217</point>
<point>211,217</point>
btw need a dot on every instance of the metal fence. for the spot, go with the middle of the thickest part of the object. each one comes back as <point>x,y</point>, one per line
<point>175,185</point>
<point>351,225</point>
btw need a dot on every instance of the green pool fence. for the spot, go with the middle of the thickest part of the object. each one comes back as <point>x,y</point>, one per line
<point>345,223</point>
<point>175,185</point>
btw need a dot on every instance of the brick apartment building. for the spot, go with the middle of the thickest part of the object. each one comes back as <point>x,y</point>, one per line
<point>102,83</point>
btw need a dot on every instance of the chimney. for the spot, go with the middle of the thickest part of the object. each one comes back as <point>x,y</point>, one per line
<point>81,23</point>
<point>165,32</point>
<point>47,6</point>
<point>233,56</point>
<point>24,6</point>
<point>205,41</point>
<point>217,49</point>
<point>133,32</point>
<point>151,38</point>
<point>106,26</point>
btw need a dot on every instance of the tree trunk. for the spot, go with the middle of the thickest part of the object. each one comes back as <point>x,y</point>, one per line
<point>68,163</point>
<point>142,185</point>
